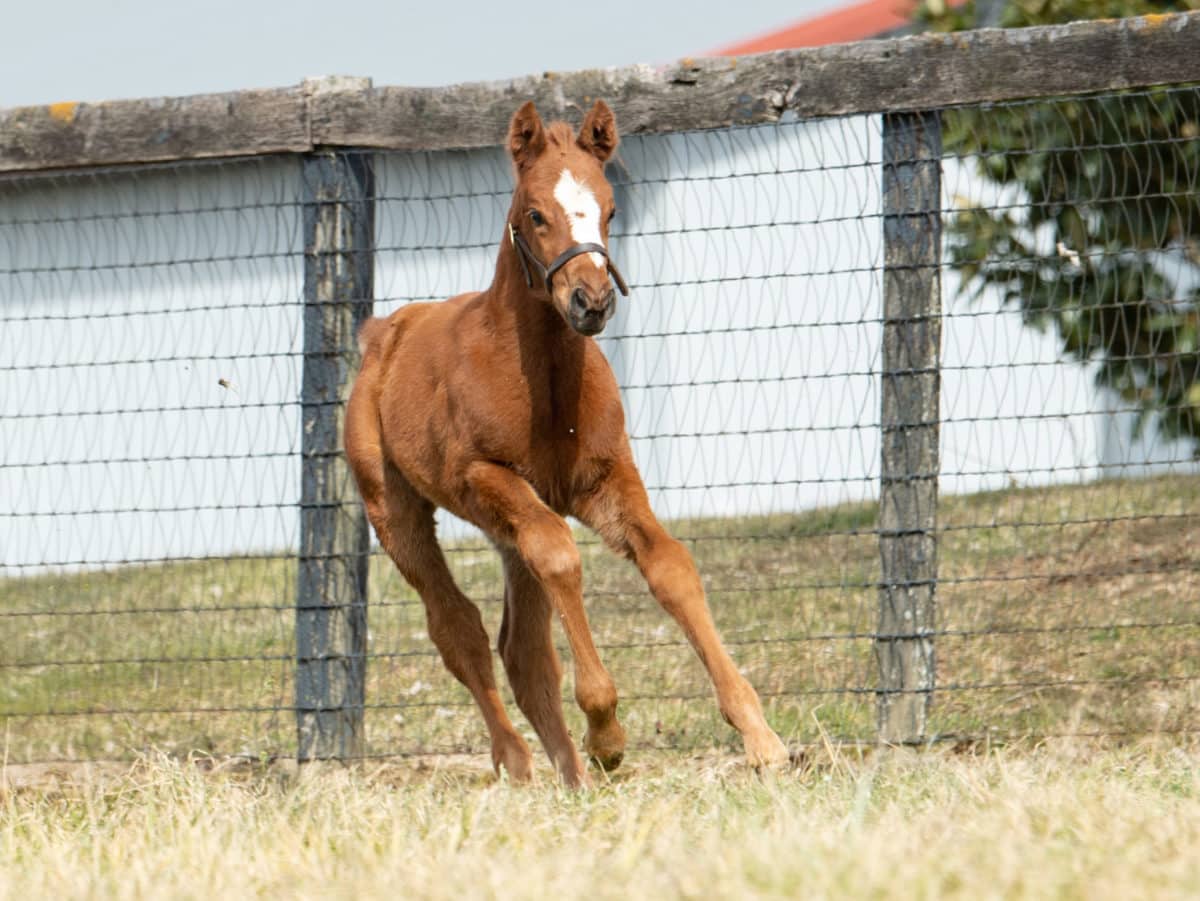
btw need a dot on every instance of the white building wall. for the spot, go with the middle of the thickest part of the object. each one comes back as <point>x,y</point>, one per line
<point>748,351</point>
<point>125,300</point>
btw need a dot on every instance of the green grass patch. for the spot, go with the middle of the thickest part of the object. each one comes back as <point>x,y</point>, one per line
<point>1067,609</point>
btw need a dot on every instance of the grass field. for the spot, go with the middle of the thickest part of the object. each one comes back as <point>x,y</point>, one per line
<point>1067,821</point>
<point>1066,610</point>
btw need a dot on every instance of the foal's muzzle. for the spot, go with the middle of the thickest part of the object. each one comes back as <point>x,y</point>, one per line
<point>588,315</point>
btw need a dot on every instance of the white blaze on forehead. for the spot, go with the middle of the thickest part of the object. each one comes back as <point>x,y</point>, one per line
<point>582,211</point>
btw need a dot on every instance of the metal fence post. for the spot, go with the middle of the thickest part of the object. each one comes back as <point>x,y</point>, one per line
<point>912,327</point>
<point>331,598</point>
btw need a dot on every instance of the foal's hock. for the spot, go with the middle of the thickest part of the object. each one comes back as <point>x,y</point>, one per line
<point>499,407</point>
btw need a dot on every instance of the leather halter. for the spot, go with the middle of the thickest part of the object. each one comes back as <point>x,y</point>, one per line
<point>526,256</point>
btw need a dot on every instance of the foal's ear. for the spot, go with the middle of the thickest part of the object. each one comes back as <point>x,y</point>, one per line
<point>526,137</point>
<point>598,134</point>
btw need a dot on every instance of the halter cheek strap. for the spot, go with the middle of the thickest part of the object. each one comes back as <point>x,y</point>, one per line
<point>526,256</point>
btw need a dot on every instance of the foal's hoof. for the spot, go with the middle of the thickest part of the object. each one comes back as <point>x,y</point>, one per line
<point>576,779</point>
<point>766,751</point>
<point>606,748</point>
<point>608,762</point>
<point>516,760</point>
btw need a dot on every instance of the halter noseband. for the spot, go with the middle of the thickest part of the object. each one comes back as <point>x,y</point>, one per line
<point>526,256</point>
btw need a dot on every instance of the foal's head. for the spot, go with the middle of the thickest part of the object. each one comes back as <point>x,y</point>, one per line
<point>562,201</point>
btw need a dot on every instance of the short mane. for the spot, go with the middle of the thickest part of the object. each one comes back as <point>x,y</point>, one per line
<point>560,135</point>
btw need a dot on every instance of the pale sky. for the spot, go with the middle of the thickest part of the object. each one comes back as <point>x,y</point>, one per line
<point>76,50</point>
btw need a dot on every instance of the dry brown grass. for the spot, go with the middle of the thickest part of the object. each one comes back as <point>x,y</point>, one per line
<point>1049,822</point>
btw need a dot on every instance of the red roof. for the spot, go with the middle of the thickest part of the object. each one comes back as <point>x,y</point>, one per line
<point>855,22</point>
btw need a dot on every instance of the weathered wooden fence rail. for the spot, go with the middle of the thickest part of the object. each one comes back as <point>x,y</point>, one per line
<point>903,74</point>
<point>907,80</point>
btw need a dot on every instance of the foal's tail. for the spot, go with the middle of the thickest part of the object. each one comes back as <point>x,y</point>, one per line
<point>370,336</point>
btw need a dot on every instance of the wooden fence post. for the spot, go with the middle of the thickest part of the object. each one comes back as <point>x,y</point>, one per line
<point>912,328</point>
<point>331,597</point>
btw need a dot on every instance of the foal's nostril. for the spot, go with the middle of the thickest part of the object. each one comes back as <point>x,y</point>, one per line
<point>579,301</point>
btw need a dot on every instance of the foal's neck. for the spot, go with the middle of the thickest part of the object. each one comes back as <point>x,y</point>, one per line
<point>551,352</point>
<point>527,311</point>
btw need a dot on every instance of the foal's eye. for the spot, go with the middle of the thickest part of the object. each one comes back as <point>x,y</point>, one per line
<point>536,218</point>
<point>612,215</point>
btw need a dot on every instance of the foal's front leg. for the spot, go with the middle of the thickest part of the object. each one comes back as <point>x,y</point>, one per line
<point>508,508</point>
<point>620,511</point>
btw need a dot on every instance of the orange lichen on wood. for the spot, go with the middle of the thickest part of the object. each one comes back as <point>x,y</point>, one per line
<point>63,112</point>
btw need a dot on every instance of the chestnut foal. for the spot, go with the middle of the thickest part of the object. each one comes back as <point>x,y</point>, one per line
<point>499,407</point>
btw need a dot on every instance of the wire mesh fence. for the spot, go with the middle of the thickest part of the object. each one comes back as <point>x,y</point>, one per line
<point>151,364</point>
<point>150,407</point>
<point>1068,590</point>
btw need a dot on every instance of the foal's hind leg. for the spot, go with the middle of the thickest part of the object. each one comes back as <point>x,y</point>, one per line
<point>619,510</point>
<point>403,520</point>
<point>527,649</point>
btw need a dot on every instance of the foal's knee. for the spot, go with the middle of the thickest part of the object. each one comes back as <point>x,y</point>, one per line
<point>550,552</point>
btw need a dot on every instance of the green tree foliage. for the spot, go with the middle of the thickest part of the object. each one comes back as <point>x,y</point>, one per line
<point>1102,238</point>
